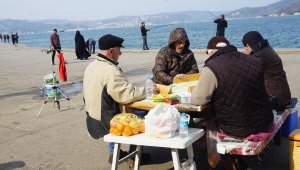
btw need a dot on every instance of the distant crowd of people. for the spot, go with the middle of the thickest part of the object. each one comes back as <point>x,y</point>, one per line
<point>14,38</point>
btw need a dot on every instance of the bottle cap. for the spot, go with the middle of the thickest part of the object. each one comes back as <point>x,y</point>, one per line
<point>183,114</point>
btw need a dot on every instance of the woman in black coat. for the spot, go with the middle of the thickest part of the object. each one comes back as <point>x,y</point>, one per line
<point>80,47</point>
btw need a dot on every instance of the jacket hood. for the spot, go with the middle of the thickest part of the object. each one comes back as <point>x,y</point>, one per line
<point>178,34</point>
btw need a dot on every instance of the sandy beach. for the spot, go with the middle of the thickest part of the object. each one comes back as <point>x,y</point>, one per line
<point>58,139</point>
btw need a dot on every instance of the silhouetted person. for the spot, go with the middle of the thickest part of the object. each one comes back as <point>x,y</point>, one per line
<point>16,38</point>
<point>221,25</point>
<point>4,37</point>
<point>80,47</point>
<point>13,39</point>
<point>7,37</point>
<point>144,36</point>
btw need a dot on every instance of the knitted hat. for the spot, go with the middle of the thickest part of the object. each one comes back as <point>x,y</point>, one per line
<point>252,38</point>
<point>110,41</point>
<point>217,42</point>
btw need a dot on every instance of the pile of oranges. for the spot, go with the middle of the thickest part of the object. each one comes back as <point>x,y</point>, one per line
<point>126,124</point>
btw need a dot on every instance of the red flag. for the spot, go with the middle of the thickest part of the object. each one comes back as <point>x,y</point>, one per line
<point>62,67</point>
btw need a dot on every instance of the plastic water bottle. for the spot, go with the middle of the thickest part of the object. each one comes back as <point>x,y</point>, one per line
<point>149,88</point>
<point>183,125</point>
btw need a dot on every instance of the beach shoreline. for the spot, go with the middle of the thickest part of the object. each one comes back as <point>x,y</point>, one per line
<point>58,139</point>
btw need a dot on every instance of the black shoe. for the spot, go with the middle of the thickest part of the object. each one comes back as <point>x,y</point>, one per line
<point>122,155</point>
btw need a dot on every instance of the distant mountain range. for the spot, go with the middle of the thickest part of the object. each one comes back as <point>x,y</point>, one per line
<point>283,7</point>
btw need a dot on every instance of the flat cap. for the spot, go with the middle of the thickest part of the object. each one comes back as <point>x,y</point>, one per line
<point>110,41</point>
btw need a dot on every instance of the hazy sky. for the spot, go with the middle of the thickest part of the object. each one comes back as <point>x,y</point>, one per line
<point>101,9</point>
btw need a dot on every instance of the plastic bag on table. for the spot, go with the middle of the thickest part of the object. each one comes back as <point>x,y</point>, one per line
<point>162,121</point>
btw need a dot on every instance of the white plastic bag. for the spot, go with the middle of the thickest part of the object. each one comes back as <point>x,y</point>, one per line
<point>162,121</point>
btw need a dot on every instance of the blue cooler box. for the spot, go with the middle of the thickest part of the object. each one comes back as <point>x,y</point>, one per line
<point>291,122</point>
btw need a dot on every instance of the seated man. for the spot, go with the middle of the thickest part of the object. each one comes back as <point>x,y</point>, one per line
<point>275,78</point>
<point>174,60</point>
<point>233,84</point>
<point>104,87</point>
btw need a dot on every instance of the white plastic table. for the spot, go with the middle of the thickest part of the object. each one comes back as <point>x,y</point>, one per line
<point>174,143</point>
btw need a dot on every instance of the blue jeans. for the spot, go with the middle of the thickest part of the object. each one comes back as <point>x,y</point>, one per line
<point>111,147</point>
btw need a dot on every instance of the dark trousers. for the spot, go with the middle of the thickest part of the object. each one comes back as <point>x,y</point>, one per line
<point>91,47</point>
<point>53,53</point>
<point>145,45</point>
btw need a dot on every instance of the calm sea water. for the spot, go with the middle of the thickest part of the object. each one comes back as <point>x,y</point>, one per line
<point>282,32</point>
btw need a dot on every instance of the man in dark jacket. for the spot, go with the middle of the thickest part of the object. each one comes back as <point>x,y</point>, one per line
<point>55,44</point>
<point>144,36</point>
<point>174,60</point>
<point>233,84</point>
<point>275,77</point>
<point>90,44</point>
<point>221,25</point>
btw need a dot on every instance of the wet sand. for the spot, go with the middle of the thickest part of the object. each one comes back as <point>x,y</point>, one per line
<point>58,139</point>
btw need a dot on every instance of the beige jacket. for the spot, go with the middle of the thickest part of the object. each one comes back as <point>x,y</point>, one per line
<point>101,73</point>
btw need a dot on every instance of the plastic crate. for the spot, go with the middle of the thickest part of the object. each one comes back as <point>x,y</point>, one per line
<point>291,122</point>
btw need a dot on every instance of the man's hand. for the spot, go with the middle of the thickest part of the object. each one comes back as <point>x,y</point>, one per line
<point>181,76</point>
<point>155,89</point>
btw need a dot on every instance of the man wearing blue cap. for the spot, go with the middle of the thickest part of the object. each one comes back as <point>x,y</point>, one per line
<point>105,87</point>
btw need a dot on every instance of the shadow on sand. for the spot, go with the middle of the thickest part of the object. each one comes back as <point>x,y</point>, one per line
<point>12,165</point>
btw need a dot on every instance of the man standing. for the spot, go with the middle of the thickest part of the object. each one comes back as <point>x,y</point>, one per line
<point>55,44</point>
<point>144,36</point>
<point>221,25</point>
<point>105,88</point>
<point>275,77</point>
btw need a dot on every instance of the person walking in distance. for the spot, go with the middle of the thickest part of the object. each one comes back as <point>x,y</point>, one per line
<point>221,25</point>
<point>55,44</point>
<point>144,36</point>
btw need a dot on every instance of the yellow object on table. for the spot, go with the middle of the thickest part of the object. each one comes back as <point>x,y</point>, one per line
<point>189,77</point>
<point>294,147</point>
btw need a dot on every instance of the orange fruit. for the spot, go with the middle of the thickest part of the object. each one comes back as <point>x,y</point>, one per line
<point>127,131</point>
<point>135,131</point>
<point>114,131</point>
<point>142,127</point>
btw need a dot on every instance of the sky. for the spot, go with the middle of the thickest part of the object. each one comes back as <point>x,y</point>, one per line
<point>102,9</point>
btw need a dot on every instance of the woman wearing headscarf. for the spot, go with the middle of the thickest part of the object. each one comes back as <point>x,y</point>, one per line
<point>80,47</point>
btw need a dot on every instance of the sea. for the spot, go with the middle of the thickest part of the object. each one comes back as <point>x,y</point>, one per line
<point>281,32</point>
